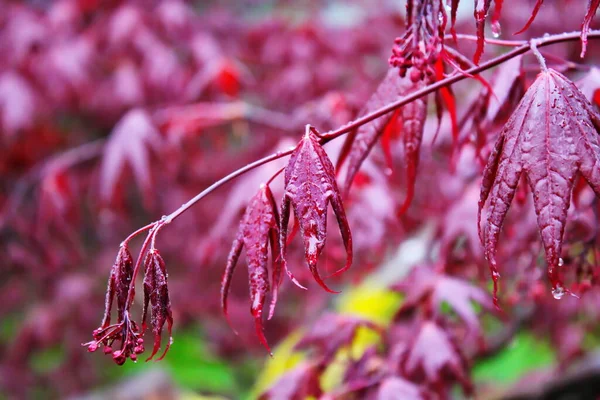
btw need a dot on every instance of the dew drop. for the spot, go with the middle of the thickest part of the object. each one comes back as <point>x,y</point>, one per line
<point>170,340</point>
<point>561,262</point>
<point>496,29</point>
<point>558,292</point>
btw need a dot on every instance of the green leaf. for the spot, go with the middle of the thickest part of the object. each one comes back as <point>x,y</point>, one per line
<point>524,354</point>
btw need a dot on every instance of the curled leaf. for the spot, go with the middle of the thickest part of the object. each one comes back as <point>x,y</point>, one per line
<point>309,187</point>
<point>551,137</point>
<point>156,293</point>
<point>258,228</point>
<point>118,285</point>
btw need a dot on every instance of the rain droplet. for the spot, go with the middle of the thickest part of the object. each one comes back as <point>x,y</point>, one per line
<point>496,29</point>
<point>558,292</point>
<point>561,262</point>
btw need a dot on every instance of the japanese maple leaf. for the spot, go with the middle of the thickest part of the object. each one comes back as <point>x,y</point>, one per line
<point>410,117</point>
<point>551,137</point>
<point>156,295</point>
<point>259,227</point>
<point>128,143</point>
<point>309,186</point>
<point>425,285</point>
<point>432,356</point>
<point>330,332</point>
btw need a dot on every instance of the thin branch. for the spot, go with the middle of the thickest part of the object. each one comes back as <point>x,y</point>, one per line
<point>329,136</point>
<point>497,42</point>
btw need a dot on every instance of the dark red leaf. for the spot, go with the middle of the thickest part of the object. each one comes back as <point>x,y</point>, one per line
<point>258,228</point>
<point>118,285</point>
<point>411,118</point>
<point>156,293</point>
<point>309,186</point>
<point>551,137</point>
<point>587,20</point>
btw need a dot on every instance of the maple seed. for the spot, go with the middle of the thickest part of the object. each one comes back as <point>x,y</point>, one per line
<point>551,137</point>
<point>309,186</point>
<point>258,228</point>
<point>156,293</point>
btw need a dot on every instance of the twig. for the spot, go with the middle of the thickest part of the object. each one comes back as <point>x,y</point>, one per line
<point>523,47</point>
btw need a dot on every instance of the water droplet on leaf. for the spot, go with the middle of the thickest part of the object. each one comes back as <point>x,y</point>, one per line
<point>558,292</point>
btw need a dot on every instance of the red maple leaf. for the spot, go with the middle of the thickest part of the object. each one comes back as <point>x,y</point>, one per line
<point>426,285</point>
<point>331,331</point>
<point>259,227</point>
<point>309,186</point>
<point>410,117</point>
<point>419,363</point>
<point>551,137</point>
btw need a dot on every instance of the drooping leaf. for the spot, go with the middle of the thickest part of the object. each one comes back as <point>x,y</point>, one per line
<point>551,137</point>
<point>310,186</point>
<point>259,228</point>
<point>411,118</point>
<point>118,285</point>
<point>587,20</point>
<point>156,293</point>
<point>480,12</point>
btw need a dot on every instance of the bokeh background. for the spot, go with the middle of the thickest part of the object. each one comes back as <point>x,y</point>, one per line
<point>113,113</point>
